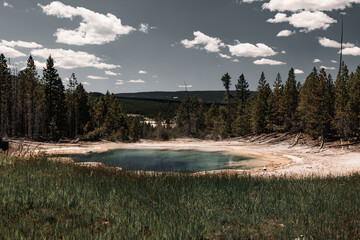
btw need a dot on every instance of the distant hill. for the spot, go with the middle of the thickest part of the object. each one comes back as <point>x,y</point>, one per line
<point>206,96</point>
<point>164,104</point>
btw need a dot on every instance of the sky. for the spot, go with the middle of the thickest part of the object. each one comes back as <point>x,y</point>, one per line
<point>161,45</point>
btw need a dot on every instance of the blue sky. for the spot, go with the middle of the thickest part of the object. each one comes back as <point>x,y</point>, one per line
<point>157,45</point>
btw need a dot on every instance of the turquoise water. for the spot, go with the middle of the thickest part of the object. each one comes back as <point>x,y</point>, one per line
<point>169,160</point>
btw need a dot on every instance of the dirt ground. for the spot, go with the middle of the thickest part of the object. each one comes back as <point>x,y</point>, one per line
<point>282,157</point>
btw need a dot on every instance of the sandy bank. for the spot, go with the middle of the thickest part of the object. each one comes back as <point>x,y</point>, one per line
<point>281,159</point>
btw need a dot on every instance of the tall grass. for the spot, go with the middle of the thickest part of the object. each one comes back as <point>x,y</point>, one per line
<point>40,199</point>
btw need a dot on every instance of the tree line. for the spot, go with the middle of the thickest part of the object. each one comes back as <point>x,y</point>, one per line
<point>320,107</point>
<point>40,108</point>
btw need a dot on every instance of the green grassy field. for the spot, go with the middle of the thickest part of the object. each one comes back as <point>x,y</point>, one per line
<point>40,199</point>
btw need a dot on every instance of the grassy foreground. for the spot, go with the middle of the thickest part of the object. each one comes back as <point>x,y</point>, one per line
<point>41,199</point>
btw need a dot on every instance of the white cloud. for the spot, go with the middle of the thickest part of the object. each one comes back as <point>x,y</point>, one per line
<point>309,5</point>
<point>110,73</point>
<point>298,71</point>
<point>306,20</point>
<point>327,68</point>
<point>283,52</point>
<point>354,51</point>
<point>144,27</point>
<point>316,60</point>
<point>40,65</point>
<point>333,44</point>
<point>97,77</point>
<point>285,33</point>
<point>10,52</point>
<point>185,86</point>
<point>142,72</point>
<point>69,59</point>
<point>265,61</point>
<point>333,61</point>
<point>6,4</point>
<point>235,60</point>
<point>86,83</point>
<point>119,82</point>
<point>95,28</point>
<point>250,50</point>
<point>201,41</point>
<point>21,44</point>
<point>155,76</point>
<point>224,56</point>
<point>136,81</point>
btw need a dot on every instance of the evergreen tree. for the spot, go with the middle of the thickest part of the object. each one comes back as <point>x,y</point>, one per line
<point>82,110</point>
<point>242,124</point>
<point>353,107</point>
<point>260,106</point>
<point>341,119</point>
<point>5,96</point>
<point>275,118</point>
<point>190,116</point>
<point>226,80</point>
<point>289,101</point>
<point>55,101</point>
<point>313,105</point>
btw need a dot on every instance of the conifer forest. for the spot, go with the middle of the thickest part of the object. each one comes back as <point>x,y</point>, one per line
<point>38,106</point>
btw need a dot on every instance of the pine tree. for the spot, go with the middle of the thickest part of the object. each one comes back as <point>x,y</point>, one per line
<point>226,80</point>
<point>82,110</point>
<point>341,119</point>
<point>55,101</point>
<point>242,124</point>
<point>5,94</point>
<point>315,96</point>
<point>190,116</point>
<point>275,118</point>
<point>353,107</point>
<point>260,106</point>
<point>289,101</point>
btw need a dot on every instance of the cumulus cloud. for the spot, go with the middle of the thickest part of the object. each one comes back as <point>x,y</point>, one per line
<point>142,72</point>
<point>354,51</point>
<point>224,56</point>
<point>10,52</point>
<point>306,20</point>
<point>119,82</point>
<point>333,61</point>
<point>298,71</point>
<point>265,61</point>
<point>316,60</point>
<point>95,28</point>
<point>327,68</point>
<point>69,59</point>
<point>203,41</point>
<point>308,5</point>
<point>21,44</point>
<point>285,33</point>
<point>110,73</point>
<point>235,60</point>
<point>250,50</point>
<point>136,81</point>
<point>96,77</point>
<point>283,52</point>
<point>333,44</point>
<point>85,83</point>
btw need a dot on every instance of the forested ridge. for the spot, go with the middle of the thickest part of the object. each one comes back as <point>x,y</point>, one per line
<point>40,108</point>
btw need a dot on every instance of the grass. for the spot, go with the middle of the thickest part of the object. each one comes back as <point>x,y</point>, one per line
<point>40,199</point>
